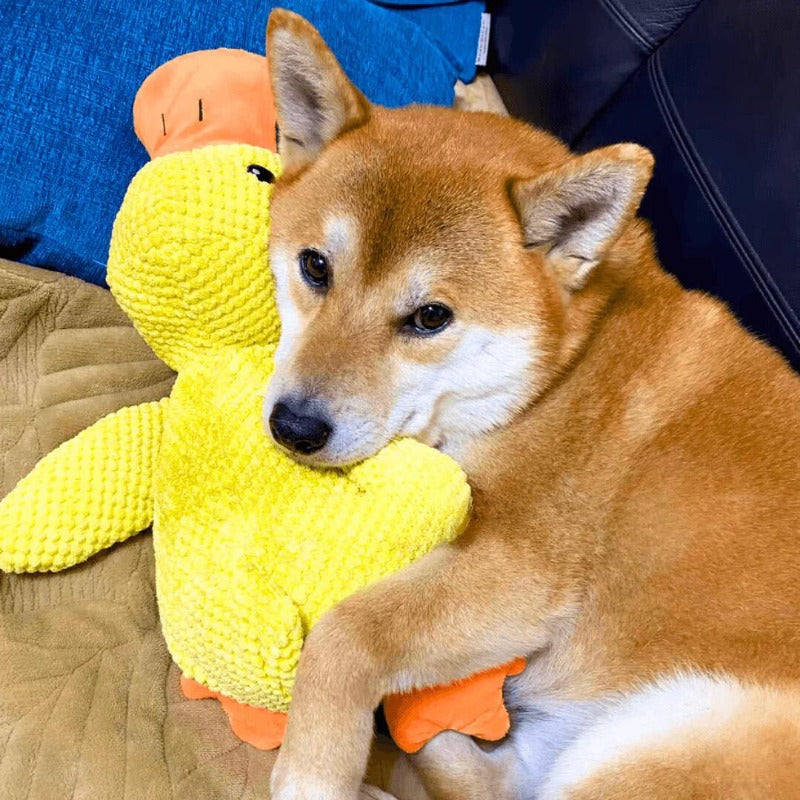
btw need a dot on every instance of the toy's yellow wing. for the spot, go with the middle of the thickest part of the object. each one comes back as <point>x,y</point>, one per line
<point>92,491</point>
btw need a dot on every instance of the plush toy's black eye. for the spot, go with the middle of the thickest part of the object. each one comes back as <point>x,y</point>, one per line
<point>431,318</point>
<point>314,268</point>
<point>262,173</point>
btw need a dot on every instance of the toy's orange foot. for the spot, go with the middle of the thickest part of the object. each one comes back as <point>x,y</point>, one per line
<point>195,691</point>
<point>260,727</point>
<point>473,706</point>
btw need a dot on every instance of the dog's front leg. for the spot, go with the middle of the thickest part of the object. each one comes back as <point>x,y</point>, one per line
<point>457,611</point>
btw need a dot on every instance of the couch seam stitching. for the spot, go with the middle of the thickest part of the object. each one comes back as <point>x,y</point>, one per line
<point>628,24</point>
<point>759,275</point>
<point>604,107</point>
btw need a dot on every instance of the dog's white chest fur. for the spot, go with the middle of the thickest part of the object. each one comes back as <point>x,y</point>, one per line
<point>557,744</point>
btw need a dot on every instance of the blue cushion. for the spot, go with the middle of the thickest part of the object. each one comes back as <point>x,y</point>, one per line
<point>453,24</point>
<point>69,74</point>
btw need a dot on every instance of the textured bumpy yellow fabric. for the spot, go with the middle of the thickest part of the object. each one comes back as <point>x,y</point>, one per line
<point>188,260</point>
<point>90,492</point>
<point>251,547</point>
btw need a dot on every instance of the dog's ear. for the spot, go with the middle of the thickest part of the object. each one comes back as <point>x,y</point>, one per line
<point>315,101</point>
<point>576,212</point>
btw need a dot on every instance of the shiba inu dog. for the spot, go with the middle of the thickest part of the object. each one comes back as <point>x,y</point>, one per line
<point>467,280</point>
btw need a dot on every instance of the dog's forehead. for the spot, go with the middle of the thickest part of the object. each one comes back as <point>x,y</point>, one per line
<point>404,249</point>
<point>393,214</point>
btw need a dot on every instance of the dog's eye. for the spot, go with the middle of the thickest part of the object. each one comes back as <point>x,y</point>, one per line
<point>429,319</point>
<point>262,173</point>
<point>314,268</point>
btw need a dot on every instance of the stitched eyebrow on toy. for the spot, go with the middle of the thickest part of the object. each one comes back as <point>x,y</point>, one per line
<point>163,125</point>
<point>200,109</point>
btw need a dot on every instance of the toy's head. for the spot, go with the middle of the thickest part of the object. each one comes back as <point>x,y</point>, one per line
<point>188,260</point>
<point>189,252</point>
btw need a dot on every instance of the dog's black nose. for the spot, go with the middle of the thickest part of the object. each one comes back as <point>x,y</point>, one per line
<point>296,431</point>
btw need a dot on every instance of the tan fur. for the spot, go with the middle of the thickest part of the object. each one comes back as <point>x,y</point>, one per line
<point>637,514</point>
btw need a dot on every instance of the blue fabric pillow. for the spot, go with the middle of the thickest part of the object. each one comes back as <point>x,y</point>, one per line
<point>453,24</point>
<point>69,74</point>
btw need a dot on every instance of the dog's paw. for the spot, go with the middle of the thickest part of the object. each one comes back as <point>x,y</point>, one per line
<point>287,785</point>
<point>305,791</point>
<point>374,793</point>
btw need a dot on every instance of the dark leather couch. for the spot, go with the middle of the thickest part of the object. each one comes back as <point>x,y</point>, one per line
<point>712,87</point>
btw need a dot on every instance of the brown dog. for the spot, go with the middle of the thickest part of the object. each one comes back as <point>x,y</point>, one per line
<point>464,279</point>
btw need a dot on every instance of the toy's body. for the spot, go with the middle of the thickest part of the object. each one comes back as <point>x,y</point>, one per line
<point>265,546</point>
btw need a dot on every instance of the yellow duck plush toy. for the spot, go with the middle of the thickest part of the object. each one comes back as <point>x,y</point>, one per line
<point>251,547</point>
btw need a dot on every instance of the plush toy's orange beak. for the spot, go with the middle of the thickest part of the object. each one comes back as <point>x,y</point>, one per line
<point>206,97</point>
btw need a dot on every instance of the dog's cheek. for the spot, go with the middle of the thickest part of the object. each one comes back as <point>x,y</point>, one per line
<point>413,399</point>
<point>495,374</point>
<point>478,384</point>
